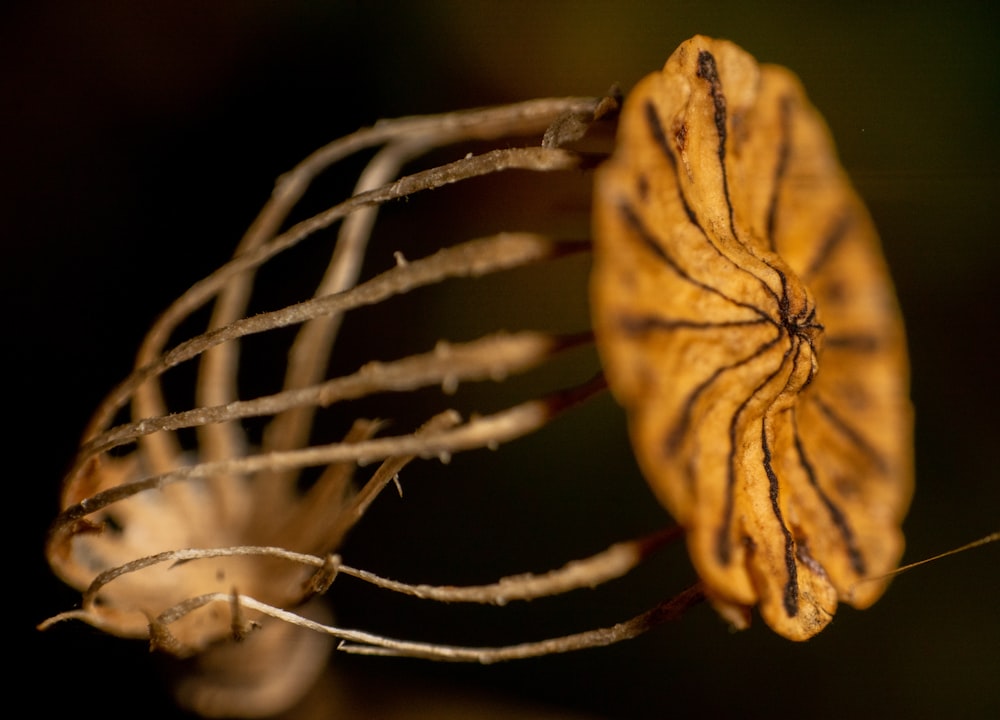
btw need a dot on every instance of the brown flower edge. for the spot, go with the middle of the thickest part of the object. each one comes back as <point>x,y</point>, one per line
<point>747,323</point>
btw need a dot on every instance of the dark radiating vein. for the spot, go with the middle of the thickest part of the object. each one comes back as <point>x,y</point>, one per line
<point>641,324</point>
<point>783,303</point>
<point>791,596</point>
<point>828,244</point>
<point>660,138</point>
<point>642,186</point>
<point>810,317</point>
<point>781,167</point>
<point>684,421</point>
<point>806,329</point>
<point>849,432</point>
<point>723,547</point>
<point>651,241</point>
<point>708,71</point>
<point>836,514</point>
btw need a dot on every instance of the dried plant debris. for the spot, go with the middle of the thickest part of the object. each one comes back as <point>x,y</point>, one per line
<point>196,548</point>
<point>742,311</point>
<point>747,322</point>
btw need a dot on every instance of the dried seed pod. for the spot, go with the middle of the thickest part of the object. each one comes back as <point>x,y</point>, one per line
<point>747,322</point>
<point>198,545</point>
<point>744,316</point>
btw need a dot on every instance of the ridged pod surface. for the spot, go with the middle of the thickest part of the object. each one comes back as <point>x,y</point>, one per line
<point>748,324</point>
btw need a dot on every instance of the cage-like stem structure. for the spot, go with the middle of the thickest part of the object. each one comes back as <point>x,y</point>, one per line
<point>191,546</point>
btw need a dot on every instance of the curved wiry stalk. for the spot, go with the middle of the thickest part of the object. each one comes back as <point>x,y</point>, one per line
<point>153,537</point>
<point>536,159</point>
<point>479,432</point>
<point>468,259</point>
<point>365,643</point>
<point>609,564</point>
<point>672,609</point>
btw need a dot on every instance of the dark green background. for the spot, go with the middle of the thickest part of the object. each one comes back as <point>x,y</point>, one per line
<point>138,143</point>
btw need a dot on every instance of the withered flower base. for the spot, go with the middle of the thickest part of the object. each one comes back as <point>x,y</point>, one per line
<point>204,550</point>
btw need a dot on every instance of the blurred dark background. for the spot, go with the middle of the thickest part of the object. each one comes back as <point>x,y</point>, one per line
<point>140,139</point>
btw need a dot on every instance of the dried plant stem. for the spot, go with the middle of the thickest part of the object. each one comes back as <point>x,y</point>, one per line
<point>325,500</point>
<point>986,540</point>
<point>607,565</point>
<point>491,357</point>
<point>363,643</point>
<point>484,431</point>
<point>309,354</point>
<point>311,350</point>
<point>612,563</point>
<point>469,259</point>
<point>433,131</point>
<point>665,611</point>
<point>535,159</point>
<point>250,503</point>
<point>330,536</point>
